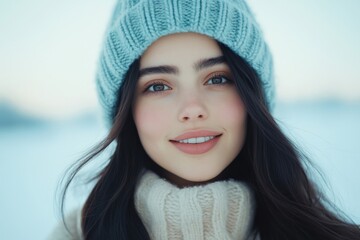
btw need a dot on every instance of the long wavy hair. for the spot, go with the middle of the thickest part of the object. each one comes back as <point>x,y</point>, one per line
<point>289,206</point>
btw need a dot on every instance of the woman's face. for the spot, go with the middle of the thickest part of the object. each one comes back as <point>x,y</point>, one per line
<point>189,117</point>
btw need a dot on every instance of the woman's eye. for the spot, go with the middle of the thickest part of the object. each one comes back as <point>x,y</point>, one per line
<point>217,80</point>
<point>158,87</point>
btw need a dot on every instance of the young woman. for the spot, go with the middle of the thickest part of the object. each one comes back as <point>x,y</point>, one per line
<point>187,92</point>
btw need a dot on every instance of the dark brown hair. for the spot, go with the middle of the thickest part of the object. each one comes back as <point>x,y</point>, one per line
<point>288,204</point>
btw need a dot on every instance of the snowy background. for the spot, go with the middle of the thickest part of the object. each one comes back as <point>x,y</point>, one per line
<point>49,115</point>
<point>34,155</point>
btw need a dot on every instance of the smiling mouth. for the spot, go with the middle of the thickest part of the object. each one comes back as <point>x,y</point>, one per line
<point>196,145</point>
<point>196,140</point>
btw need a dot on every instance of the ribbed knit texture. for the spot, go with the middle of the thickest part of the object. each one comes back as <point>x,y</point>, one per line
<point>219,210</point>
<point>135,24</point>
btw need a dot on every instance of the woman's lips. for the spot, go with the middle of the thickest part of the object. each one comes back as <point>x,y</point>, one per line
<point>197,142</point>
<point>194,134</point>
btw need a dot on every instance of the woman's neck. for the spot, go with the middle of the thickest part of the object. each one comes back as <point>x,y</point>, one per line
<point>182,183</point>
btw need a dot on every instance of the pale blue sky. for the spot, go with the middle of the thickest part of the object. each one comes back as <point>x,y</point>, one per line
<point>48,51</point>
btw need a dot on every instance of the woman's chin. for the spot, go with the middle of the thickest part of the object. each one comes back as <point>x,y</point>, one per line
<point>185,180</point>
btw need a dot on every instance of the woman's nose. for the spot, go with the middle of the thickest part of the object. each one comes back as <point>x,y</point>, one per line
<point>193,110</point>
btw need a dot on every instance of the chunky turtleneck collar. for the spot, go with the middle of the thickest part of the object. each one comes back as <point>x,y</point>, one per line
<point>218,210</point>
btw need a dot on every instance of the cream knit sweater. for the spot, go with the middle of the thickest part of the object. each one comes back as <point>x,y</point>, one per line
<point>220,210</point>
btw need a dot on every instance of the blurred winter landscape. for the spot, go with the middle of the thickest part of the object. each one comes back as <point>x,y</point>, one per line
<point>35,152</point>
<point>49,116</point>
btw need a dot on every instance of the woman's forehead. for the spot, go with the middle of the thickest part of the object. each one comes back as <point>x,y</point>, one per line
<point>181,49</point>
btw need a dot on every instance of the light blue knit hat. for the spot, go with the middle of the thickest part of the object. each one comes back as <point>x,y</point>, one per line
<point>135,24</point>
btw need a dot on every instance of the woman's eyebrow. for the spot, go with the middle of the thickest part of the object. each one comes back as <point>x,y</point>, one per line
<point>169,69</point>
<point>209,62</point>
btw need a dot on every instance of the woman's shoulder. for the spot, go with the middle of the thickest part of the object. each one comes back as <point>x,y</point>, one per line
<point>72,231</point>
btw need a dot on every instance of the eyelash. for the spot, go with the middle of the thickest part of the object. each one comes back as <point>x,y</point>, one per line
<point>152,84</point>
<point>217,75</point>
<point>167,88</point>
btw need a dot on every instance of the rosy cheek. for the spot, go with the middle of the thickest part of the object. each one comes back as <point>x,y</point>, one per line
<point>149,119</point>
<point>233,110</point>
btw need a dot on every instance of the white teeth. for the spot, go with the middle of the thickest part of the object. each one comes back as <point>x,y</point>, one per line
<point>196,140</point>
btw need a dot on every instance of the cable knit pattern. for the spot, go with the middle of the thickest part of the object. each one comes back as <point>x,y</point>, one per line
<point>136,24</point>
<point>218,210</point>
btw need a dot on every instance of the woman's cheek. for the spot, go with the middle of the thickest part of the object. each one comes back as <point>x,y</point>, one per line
<point>232,108</point>
<point>150,119</point>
